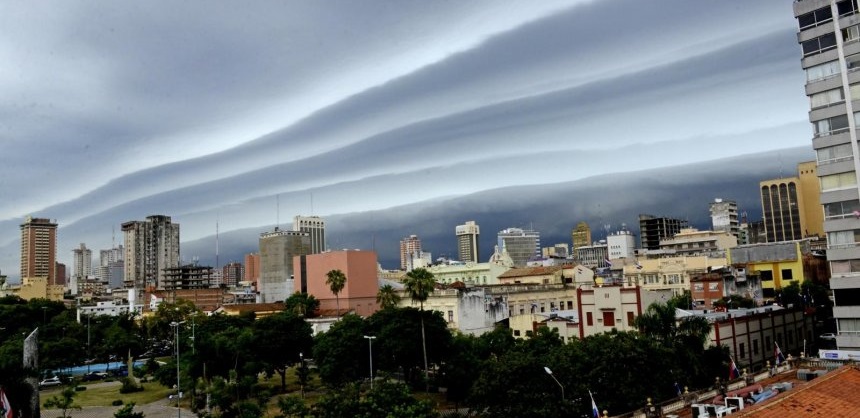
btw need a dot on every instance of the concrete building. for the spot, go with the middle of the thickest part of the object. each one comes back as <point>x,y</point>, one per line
<point>277,249</point>
<point>252,267</point>
<point>580,237</point>
<point>652,229</point>
<point>314,226</point>
<point>189,276</point>
<point>604,308</point>
<point>593,256</point>
<point>565,322</point>
<point>791,206</point>
<point>38,288</point>
<point>470,274</point>
<point>83,262</point>
<point>111,274</point>
<point>111,255</point>
<point>111,307</point>
<point>467,242</point>
<point>151,246</point>
<point>672,273</point>
<point>724,216</point>
<point>410,249</point>
<point>61,277</point>
<point>560,250</point>
<point>621,245</point>
<point>520,244</point>
<point>707,288</point>
<point>232,273</point>
<point>471,310</point>
<point>39,249</point>
<point>359,292</point>
<point>767,268</point>
<point>691,241</point>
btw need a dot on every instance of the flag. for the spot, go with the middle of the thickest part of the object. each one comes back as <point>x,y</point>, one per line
<point>594,412</point>
<point>678,389</point>
<point>734,372</point>
<point>608,263</point>
<point>777,353</point>
<point>5,407</point>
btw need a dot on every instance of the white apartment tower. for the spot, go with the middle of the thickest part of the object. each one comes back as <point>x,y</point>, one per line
<point>410,249</point>
<point>83,258</point>
<point>724,216</point>
<point>828,32</point>
<point>314,226</point>
<point>467,241</point>
<point>150,247</point>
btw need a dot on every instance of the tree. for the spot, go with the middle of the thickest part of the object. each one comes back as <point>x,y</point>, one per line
<point>336,280</point>
<point>420,284</point>
<point>398,333</point>
<point>127,411</point>
<point>387,297</point>
<point>302,304</point>
<point>339,352</point>
<point>280,339</point>
<point>64,402</point>
<point>292,407</point>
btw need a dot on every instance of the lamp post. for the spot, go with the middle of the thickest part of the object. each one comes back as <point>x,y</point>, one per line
<point>89,356</point>
<point>175,326</point>
<point>302,370</point>
<point>549,372</point>
<point>370,346</point>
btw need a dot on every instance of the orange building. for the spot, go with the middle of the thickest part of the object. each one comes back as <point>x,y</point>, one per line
<point>39,249</point>
<point>252,268</point>
<point>360,269</point>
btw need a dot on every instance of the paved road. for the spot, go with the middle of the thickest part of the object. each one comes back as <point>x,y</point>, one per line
<point>157,409</point>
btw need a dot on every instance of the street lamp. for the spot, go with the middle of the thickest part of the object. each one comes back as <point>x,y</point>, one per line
<point>302,370</point>
<point>370,346</point>
<point>175,326</point>
<point>549,372</point>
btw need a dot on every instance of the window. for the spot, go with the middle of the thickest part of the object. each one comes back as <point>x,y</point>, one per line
<point>827,69</point>
<point>821,43</point>
<point>712,287</point>
<point>814,18</point>
<point>827,97</point>
<point>846,7</point>
<point>698,287</point>
<point>830,126</point>
<point>630,318</point>
<point>766,275</point>
<point>450,316</point>
<point>851,33</point>
<point>787,274</point>
<point>843,238</point>
<point>845,266</point>
<point>742,350</point>
<point>608,318</point>
<point>838,181</point>
<point>589,319</point>
<point>569,305</point>
<point>755,347</point>
<point>516,333</point>
<point>841,152</point>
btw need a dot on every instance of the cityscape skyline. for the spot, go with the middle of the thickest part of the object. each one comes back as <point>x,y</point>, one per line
<point>358,124</point>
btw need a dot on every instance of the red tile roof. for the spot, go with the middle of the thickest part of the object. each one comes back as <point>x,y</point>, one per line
<point>833,395</point>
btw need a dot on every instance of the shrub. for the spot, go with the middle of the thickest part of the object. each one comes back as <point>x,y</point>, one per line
<point>80,388</point>
<point>129,385</point>
<point>116,402</point>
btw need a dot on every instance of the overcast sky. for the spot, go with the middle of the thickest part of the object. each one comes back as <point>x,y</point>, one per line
<point>112,111</point>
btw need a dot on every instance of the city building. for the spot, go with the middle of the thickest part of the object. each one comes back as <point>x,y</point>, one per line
<point>39,249</point>
<point>252,267</point>
<point>604,308</point>
<point>410,249</point>
<point>111,255</point>
<point>60,275</point>
<point>111,307</point>
<point>621,244</point>
<point>277,249</point>
<point>38,288</point>
<point>150,246</point>
<point>359,291</point>
<point>520,244</point>
<point>580,237</point>
<point>764,269</point>
<point>470,274</point>
<point>467,242</point>
<point>561,250</point>
<point>565,323</point>
<point>672,273</point>
<point>111,274</point>
<point>593,256</point>
<point>189,276</point>
<point>83,264</point>
<point>791,206</point>
<point>724,216</point>
<point>691,241</point>
<point>652,229</point>
<point>707,288</point>
<point>231,274</point>
<point>314,226</point>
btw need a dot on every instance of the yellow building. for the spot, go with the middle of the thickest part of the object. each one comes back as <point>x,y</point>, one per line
<point>38,288</point>
<point>672,273</point>
<point>773,265</point>
<point>791,206</point>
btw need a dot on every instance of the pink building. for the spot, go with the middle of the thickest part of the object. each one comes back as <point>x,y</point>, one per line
<point>359,292</point>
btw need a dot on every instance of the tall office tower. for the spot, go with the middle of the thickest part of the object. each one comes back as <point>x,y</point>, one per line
<point>520,244</point>
<point>652,229</point>
<point>277,249</point>
<point>467,241</point>
<point>828,35</point>
<point>39,249</point>
<point>106,257</point>
<point>150,247</point>
<point>580,237</point>
<point>252,267</point>
<point>410,248</point>
<point>315,227</point>
<point>83,257</point>
<point>724,216</point>
<point>791,206</point>
<point>232,274</point>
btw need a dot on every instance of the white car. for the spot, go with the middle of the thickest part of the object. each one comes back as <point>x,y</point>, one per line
<point>828,336</point>
<point>49,382</point>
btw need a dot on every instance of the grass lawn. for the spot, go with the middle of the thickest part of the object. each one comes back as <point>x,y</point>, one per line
<point>104,394</point>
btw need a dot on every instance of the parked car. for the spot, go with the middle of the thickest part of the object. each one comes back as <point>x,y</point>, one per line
<point>89,377</point>
<point>49,382</point>
<point>829,336</point>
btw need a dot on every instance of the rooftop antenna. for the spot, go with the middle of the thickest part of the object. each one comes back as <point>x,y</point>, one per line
<point>217,265</point>
<point>113,236</point>
<point>779,156</point>
<point>277,211</point>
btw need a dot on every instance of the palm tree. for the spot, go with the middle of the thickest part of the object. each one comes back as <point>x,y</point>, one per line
<point>336,280</point>
<point>387,297</point>
<point>420,283</point>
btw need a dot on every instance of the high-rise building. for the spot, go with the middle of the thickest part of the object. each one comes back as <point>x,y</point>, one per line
<point>410,249</point>
<point>621,244</point>
<point>724,216</point>
<point>252,267</point>
<point>232,274</point>
<point>315,227</point>
<point>60,274</point>
<point>521,244</point>
<point>791,206</point>
<point>580,237</point>
<point>652,229</point>
<point>150,247</point>
<point>277,249</point>
<point>828,34</point>
<point>39,249</point>
<point>83,258</point>
<point>467,241</point>
<point>106,257</point>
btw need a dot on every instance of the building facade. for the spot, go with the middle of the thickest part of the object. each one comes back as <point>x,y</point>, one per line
<point>580,237</point>
<point>83,262</point>
<point>39,249</point>
<point>724,216</point>
<point>652,229</point>
<point>621,244</point>
<point>359,291</point>
<point>467,242</point>
<point>410,249</point>
<point>791,206</point>
<point>314,226</point>
<point>151,246</point>
<point>691,241</point>
<point>231,274</point>
<point>252,267</point>
<point>277,249</point>
<point>520,244</point>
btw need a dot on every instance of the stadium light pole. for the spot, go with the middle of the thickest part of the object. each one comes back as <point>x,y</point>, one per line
<point>370,346</point>
<point>549,372</point>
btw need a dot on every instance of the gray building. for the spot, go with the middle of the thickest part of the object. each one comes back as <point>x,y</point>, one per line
<point>150,247</point>
<point>724,216</point>
<point>520,244</point>
<point>315,228</point>
<point>277,249</point>
<point>467,241</point>
<point>828,32</point>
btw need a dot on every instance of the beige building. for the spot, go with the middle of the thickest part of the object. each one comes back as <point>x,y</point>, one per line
<point>39,249</point>
<point>471,274</point>
<point>38,288</point>
<point>470,310</point>
<point>691,241</point>
<point>669,273</point>
<point>791,206</point>
<point>604,308</point>
<point>565,323</point>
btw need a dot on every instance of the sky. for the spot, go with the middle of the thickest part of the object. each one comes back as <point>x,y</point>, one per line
<point>246,114</point>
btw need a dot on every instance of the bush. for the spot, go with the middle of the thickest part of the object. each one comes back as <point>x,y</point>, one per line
<point>80,388</point>
<point>129,385</point>
<point>128,412</point>
<point>117,402</point>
